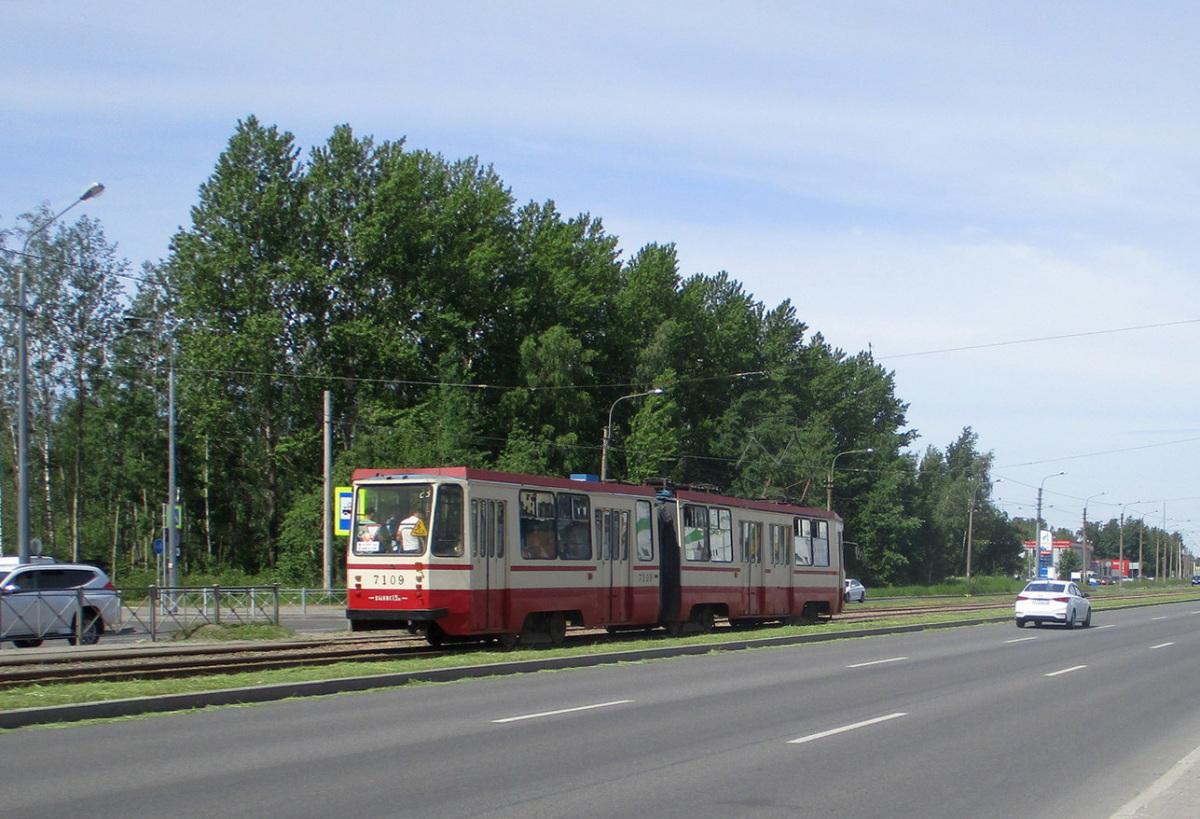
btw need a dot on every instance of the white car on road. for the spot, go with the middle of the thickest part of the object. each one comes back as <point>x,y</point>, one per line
<point>1053,601</point>
<point>46,600</point>
<point>855,592</point>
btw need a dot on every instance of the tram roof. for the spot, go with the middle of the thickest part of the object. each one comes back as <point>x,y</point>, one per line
<point>581,484</point>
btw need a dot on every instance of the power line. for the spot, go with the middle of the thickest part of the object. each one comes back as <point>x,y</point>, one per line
<point>1040,339</point>
<point>1099,453</point>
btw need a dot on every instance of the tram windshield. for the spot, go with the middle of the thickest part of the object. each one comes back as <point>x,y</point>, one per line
<point>393,519</point>
<point>409,519</point>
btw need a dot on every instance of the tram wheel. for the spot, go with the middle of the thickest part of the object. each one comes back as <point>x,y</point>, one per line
<point>706,618</point>
<point>508,639</point>
<point>556,627</point>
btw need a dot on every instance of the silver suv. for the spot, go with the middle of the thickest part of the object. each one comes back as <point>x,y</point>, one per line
<point>40,601</point>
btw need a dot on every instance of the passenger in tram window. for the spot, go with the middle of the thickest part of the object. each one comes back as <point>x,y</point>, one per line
<point>368,532</point>
<point>537,539</point>
<point>385,534</point>
<point>574,541</point>
<point>410,533</point>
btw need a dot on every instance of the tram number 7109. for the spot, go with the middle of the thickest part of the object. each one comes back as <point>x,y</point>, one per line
<point>385,579</point>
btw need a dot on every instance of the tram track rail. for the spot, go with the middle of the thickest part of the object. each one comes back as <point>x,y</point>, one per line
<point>163,662</point>
<point>117,664</point>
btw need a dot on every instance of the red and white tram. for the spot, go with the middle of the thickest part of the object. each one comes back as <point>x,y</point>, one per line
<point>458,552</point>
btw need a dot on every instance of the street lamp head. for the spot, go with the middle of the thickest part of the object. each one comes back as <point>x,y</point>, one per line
<point>832,466</point>
<point>608,428</point>
<point>93,190</point>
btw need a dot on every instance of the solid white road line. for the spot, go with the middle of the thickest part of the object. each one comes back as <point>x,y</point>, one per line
<point>845,728</point>
<point>563,711</point>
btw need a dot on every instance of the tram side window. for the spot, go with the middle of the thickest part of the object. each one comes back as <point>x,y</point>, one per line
<point>612,534</point>
<point>721,537</point>
<point>751,532</point>
<point>604,533</point>
<point>537,525</point>
<point>645,531</point>
<point>695,533</point>
<point>802,538</point>
<point>448,522</point>
<point>478,530</point>
<point>820,542</point>
<point>498,525</point>
<point>487,535</point>
<point>574,533</point>
<point>779,545</point>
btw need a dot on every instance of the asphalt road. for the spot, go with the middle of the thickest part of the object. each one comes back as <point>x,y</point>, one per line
<point>971,722</point>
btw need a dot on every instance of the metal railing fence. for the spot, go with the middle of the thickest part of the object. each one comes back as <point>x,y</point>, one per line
<point>167,610</point>
<point>156,611</point>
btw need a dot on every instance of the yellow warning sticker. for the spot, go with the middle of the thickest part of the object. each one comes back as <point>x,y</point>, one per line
<point>419,530</point>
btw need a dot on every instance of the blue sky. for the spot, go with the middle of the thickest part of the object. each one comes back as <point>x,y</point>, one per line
<point>931,181</point>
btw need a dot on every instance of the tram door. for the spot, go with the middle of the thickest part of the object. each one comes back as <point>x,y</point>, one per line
<point>613,535</point>
<point>489,577</point>
<point>752,561</point>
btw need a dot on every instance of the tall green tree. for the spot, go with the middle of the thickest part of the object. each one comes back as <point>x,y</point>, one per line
<point>951,483</point>
<point>235,272</point>
<point>86,311</point>
<point>72,298</point>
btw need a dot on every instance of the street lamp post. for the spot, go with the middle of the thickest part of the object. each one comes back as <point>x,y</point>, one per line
<point>1083,540</point>
<point>1037,524</point>
<point>832,465</point>
<point>171,547</point>
<point>1121,536</point>
<point>93,190</point>
<point>608,429</point>
<point>170,521</point>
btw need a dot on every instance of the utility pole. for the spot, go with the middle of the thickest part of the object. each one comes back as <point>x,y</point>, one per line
<point>327,495</point>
